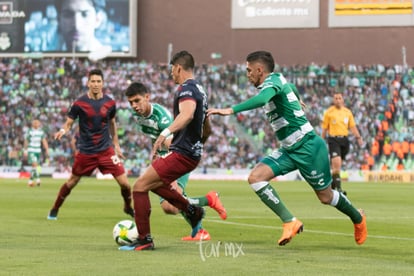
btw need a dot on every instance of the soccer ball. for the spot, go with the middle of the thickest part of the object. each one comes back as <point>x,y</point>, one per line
<point>125,232</point>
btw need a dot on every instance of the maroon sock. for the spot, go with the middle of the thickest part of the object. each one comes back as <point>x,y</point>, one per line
<point>126,195</point>
<point>63,193</point>
<point>142,206</point>
<point>173,197</point>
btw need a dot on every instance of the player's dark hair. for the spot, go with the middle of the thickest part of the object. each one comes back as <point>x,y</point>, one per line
<point>183,58</point>
<point>97,72</point>
<point>264,57</point>
<point>98,4</point>
<point>136,88</point>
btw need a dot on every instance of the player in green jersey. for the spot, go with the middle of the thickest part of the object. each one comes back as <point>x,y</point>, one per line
<point>153,118</point>
<point>35,138</point>
<point>300,148</point>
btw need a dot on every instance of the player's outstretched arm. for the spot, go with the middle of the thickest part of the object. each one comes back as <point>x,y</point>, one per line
<point>220,111</point>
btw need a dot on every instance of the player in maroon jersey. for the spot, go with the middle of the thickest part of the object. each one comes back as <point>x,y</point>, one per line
<point>98,142</point>
<point>190,128</point>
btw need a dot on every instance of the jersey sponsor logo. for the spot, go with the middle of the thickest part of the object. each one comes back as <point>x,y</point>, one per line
<point>321,182</point>
<point>186,93</point>
<point>317,176</point>
<point>279,123</point>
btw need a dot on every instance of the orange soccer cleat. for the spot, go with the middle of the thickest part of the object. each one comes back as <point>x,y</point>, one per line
<point>290,229</point>
<point>202,235</point>
<point>215,203</point>
<point>360,229</point>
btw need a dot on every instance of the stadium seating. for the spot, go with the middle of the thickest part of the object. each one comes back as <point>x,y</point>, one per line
<point>46,87</point>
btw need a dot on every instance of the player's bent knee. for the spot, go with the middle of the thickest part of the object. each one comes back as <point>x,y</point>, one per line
<point>254,178</point>
<point>324,201</point>
<point>325,196</point>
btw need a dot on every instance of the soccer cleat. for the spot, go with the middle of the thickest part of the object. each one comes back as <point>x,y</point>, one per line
<point>290,229</point>
<point>52,214</point>
<point>195,214</point>
<point>30,183</point>
<point>129,211</point>
<point>139,245</point>
<point>202,235</point>
<point>360,229</point>
<point>215,203</point>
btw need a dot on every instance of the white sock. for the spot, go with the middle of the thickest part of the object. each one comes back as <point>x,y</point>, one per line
<point>335,198</point>
<point>259,185</point>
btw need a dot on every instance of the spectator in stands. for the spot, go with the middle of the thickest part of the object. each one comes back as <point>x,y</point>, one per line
<point>47,86</point>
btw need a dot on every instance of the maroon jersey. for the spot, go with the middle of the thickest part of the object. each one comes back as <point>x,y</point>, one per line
<point>187,141</point>
<point>94,120</point>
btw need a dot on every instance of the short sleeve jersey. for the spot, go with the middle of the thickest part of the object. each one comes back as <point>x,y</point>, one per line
<point>94,121</point>
<point>159,119</point>
<point>338,121</point>
<point>187,141</point>
<point>34,139</point>
<point>283,110</point>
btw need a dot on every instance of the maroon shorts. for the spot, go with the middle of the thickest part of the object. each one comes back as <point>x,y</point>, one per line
<point>173,165</point>
<point>106,161</point>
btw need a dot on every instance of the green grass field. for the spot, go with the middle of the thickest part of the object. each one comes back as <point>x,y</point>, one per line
<point>80,241</point>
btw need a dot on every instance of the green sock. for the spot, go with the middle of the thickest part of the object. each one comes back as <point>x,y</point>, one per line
<point>198,201</point>
<point>36,174</point>
<point>342,203</point>
<point>270,197</point>
<point>33,174</point>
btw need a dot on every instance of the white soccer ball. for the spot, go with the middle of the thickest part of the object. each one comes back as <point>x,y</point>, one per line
<point>125,232</point>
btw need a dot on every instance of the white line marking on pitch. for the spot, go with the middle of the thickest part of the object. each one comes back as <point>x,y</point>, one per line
<point>307,230</point>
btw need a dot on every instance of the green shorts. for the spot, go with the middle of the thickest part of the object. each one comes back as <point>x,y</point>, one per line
<point>33,157</point>
<point>311,158</point>
<point>182,183</point>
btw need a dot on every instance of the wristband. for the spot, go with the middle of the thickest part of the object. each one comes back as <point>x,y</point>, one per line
<point>166,132</point>
<point>62,130</point>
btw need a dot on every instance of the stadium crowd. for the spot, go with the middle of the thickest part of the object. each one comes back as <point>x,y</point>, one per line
<point>380,97</point>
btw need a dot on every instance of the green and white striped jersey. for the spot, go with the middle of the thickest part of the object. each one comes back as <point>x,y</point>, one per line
<point>283,109</point>
<point>34,139</point>
<point>159,119</point>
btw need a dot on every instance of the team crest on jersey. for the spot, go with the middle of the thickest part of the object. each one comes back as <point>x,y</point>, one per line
<point>104,109</point>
